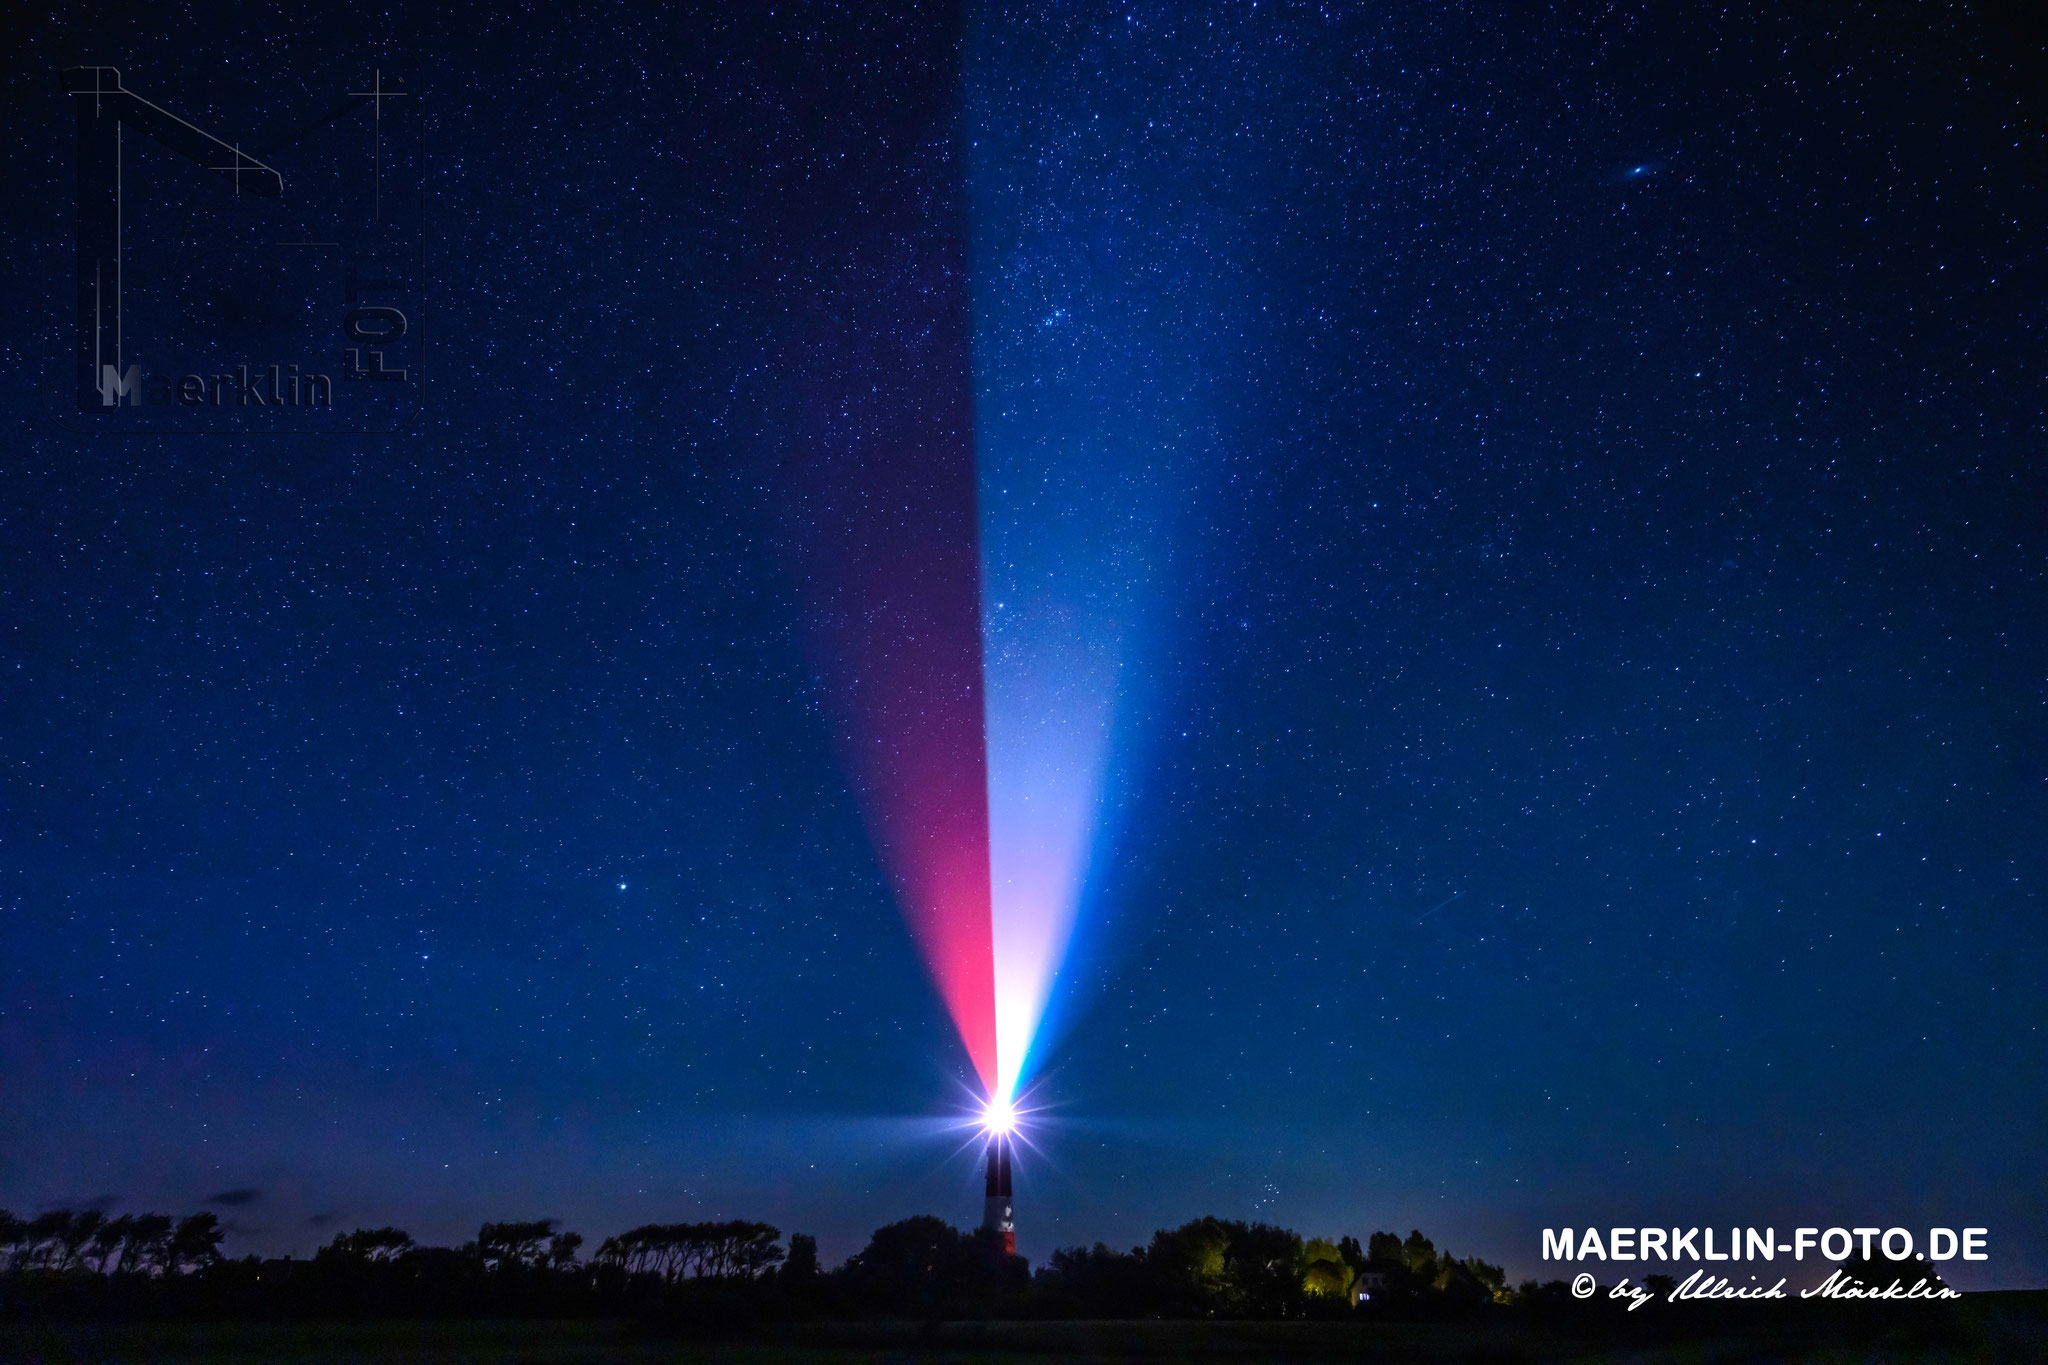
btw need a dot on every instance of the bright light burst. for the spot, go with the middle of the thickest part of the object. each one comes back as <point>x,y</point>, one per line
<point>998,1118</point>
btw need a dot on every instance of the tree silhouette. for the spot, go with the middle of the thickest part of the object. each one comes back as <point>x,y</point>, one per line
<point>107,1242</point>
<point>1352,1252</point>
<point>195,1244</point>
<point>671,1251</point>
<point>367,1244</point>
<point>1265,1270</point>
<point>45,1238</point>
<point>562,1249</point>
<point>1418,1253</point>
<point>1490,1277</point>
<point>925,1266</point>
<point>645,1250</point>
<point>82,1263</point>
<point>744,1249</point>
<point>145,1249</point>
<point>1326,1273</point>
<point>1187,1263</point>
<point>504,1245</point>
<point>904,1258</point>
<point>13,1243</point>
<point>75,1238</point>
<point>802,1265</point>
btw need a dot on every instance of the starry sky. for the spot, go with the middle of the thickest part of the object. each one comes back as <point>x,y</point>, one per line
<point>1560,494</point>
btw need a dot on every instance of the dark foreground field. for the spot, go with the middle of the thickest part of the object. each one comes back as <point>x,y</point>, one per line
<point>1985,1327</point>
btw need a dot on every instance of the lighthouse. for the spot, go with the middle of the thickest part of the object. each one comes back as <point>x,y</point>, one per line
<point>998,1213</point>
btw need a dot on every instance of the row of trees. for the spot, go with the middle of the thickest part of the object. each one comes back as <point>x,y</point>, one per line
<point>83,1263</point>
<point>671,1251</point>
<point>133,1244</point>
<point>1217,1268</point>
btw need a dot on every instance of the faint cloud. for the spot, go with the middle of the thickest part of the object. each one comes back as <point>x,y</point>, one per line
<point>321,1220</point>
<point>99,1203</point>
<point>236,1199</point>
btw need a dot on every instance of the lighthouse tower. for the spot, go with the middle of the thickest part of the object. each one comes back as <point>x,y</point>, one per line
<point>998,1213</point>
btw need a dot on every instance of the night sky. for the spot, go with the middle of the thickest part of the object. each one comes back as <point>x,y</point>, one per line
<point>1549,506</point>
